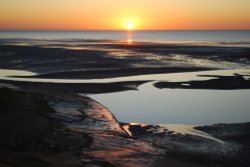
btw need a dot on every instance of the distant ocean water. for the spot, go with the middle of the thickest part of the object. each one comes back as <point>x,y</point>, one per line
<point>178,36</point>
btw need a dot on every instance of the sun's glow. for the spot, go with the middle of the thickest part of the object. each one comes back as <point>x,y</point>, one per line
<point>130,26</point>
<point>117,14</point>
<point>130,23</point>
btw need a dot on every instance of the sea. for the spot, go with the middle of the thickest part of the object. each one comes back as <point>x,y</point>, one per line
<point>230,36</point>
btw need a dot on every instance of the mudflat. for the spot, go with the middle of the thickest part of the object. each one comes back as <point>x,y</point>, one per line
<point>57,124</point>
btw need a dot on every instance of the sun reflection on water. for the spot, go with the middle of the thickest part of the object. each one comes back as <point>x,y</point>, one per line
<point>129,41</point>
<point>130,37</point>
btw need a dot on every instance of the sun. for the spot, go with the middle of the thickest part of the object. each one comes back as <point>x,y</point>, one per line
<point>130,26</point>
<point>129,23</point>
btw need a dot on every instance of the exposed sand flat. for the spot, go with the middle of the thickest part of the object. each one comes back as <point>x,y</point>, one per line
<point>58,125</point>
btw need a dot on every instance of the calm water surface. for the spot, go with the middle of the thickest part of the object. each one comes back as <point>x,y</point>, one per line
<point>150,105</point>
<point>179,36</point>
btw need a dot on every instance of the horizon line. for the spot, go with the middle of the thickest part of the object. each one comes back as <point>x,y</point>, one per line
<point>124,30</point>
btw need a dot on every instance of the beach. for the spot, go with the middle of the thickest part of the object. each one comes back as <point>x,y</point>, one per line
<point>57,82</point>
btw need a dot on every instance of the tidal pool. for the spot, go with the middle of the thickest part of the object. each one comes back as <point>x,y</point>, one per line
<point>150,105</point>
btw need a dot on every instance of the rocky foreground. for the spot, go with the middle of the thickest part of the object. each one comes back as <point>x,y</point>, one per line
<point>65,130</point>
<point>40,128</point>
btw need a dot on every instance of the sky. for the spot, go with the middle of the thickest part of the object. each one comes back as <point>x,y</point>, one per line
<point>121,14</point>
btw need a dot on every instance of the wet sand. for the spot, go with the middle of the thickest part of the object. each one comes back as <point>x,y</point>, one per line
<point>72,130</point>
<point>78,131</point>
<point>234,82</point>
<point>78,87</point>
<point>30,138</point>
<point>138,58</point>
<point>101,74</point>
<point>68,129</point>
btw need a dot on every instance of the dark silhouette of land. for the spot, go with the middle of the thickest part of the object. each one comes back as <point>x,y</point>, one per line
<point>219,83</point>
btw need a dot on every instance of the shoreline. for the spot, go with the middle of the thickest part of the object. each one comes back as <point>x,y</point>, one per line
<point>56,126</point>
<point>109,136</point>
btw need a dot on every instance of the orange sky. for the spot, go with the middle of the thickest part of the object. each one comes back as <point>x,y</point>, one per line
<point>116,14</point>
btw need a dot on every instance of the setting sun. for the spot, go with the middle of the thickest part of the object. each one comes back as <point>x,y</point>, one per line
<point>130,26</point>
<point>141,83</point>
<point>129,23</point>
<point>124,15</point>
